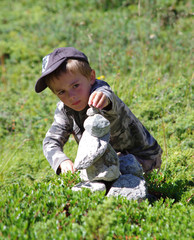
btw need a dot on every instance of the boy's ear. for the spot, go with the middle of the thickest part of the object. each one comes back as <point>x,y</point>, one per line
<point>93,77</point>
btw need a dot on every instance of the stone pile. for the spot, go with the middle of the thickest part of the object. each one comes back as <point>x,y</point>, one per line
<point>99,165</point>
<point>95,153</point>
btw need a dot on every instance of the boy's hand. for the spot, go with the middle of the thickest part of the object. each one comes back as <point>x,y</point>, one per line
<point>67,165</point>
<point>98,100</point>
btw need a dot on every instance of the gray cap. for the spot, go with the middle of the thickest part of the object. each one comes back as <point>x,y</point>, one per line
<point>53,60</point>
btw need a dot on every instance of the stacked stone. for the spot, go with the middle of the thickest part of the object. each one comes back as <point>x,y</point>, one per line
<point>99,163</point>
<point>95,154</point>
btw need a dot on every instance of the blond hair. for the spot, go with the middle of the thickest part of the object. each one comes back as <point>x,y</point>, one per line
<point>71,66</point>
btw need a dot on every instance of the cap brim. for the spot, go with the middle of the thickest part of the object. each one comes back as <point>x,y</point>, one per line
<point>41,84</point>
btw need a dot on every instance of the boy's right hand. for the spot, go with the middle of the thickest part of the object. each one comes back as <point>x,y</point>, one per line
<point>67,165</point>
<point>98,100</point>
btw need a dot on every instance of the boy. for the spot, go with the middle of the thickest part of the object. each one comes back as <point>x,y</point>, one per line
<point>66,71</point>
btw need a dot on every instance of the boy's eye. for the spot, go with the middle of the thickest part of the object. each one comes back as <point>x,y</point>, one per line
<point>76,85</point>
<point>61,92</point>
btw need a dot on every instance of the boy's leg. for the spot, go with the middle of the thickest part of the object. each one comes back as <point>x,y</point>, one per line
<point>151,164</point>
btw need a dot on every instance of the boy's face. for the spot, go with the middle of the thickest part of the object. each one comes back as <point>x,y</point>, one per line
<point>73,89</point>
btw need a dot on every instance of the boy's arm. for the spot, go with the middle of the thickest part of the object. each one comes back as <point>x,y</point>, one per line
<point>103,97</point>
<point>55,139</point>
<point>143,144</point>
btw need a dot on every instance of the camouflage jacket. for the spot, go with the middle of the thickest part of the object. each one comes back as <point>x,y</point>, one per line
<point>128,135</point>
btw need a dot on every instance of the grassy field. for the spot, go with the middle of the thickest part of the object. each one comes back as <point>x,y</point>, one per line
<point>143,49</point>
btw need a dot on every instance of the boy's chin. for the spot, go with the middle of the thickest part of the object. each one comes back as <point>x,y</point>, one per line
<point>79,109</point>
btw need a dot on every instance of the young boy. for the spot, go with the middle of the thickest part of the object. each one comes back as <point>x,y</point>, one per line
<point>66,71</point>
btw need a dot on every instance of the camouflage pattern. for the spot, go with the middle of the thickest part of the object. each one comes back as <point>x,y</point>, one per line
<point>128,135</point>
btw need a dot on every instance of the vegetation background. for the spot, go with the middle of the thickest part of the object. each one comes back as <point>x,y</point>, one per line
<point>143,49</point>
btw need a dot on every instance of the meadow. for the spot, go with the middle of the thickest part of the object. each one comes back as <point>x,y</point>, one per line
<point>143,49</point>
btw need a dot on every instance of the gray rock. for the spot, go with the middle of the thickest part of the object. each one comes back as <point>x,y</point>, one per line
<point>97,125</point>
<point>129,186</point>
<point>93,186</point>
<point>106,168</point>
<point>90,150</point>
<point>129,165</point>
<point>83,175</point>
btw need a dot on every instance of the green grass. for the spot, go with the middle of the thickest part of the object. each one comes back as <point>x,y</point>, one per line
<point>144,51</point>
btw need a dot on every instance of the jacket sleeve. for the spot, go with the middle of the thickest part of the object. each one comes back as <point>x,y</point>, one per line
<point>56,137</point>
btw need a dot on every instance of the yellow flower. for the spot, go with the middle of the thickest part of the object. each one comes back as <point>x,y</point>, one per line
<point>101,77</point>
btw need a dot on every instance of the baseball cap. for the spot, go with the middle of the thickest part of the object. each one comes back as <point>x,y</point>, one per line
<point>53,60</point>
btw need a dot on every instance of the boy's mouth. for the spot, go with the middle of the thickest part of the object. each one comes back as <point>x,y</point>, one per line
<point>76,103</point>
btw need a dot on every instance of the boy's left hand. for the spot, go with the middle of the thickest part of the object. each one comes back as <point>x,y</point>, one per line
<point>98,100</point>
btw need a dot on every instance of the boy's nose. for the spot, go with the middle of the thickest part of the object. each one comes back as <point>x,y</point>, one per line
<point>72,95</point>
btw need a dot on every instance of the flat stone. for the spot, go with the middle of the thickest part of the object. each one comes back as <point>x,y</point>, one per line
<point>130,165</point>
<point>97,125</point>
<point>93,186</point>
<point>129,186</point>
